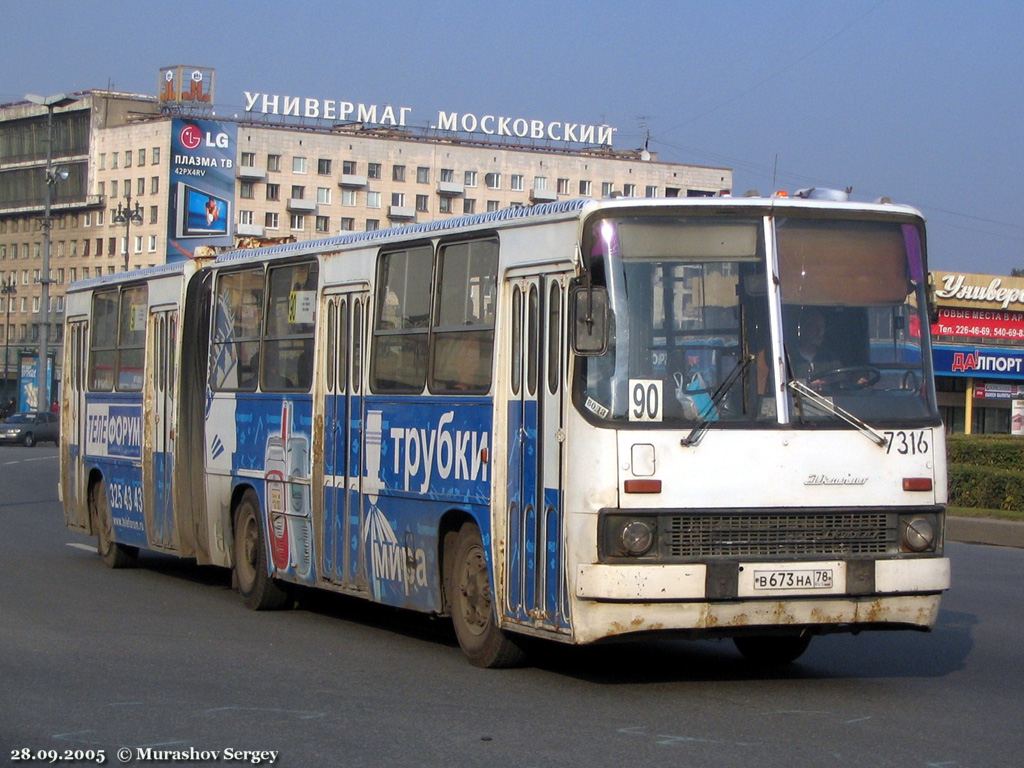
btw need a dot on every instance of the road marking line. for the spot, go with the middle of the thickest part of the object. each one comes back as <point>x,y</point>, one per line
<point>83,547</point>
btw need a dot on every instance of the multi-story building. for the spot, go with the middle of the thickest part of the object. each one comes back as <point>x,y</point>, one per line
<point>289,179</point>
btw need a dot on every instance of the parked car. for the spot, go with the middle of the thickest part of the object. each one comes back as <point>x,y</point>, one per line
<point>30,428</point>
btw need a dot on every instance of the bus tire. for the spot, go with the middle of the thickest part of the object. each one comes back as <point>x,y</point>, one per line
<point>772,650</point>
<point>112,554</point>
<point>472,605</point>
<point>258,589</point>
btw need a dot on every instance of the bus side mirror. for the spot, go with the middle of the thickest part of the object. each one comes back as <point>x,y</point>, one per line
<point>590,321</point>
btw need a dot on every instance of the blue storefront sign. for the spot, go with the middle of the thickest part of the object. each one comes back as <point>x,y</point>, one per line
<point>978,362</point>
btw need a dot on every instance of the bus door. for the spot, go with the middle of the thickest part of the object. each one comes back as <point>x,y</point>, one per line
<point>534,567</point>
<point>158,469</point>
<point>73,425</point>
<point>345,314</point>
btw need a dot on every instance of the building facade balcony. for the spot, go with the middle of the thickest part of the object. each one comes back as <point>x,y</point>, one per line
<point>352,180</point>
<point>401,212</point>
<point>301,205</point>
<point>543,196</point>
<point>449,188</point>
<point>249,230</point>
<point>251,172</point>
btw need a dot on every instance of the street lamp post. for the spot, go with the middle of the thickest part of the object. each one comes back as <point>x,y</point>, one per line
<point>8,289</point>
<point>125,214</point>
<point>51,103</point>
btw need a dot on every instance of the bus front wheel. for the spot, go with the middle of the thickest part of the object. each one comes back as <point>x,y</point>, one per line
<point>472,605</point>
<point>112,554</point>
<point>255,584</point>
<point>772,650</point>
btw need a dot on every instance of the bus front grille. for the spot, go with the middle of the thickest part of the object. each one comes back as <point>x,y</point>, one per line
<point>778,534</point>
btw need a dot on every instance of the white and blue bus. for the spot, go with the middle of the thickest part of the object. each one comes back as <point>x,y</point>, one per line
<point>575,421</point>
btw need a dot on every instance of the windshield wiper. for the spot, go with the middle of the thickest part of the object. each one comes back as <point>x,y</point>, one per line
<point>716,398</point>
<point>825,404</point>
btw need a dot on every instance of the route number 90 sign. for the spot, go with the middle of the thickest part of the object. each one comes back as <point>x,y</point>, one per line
<point>645,399</point>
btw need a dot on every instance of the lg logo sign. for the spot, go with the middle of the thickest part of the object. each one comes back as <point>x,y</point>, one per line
<point>191,137</point>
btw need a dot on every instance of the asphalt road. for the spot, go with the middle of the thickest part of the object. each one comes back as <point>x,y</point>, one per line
<point>165,657</point>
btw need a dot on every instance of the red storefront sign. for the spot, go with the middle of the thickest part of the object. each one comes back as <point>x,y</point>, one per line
<point>979,324</point>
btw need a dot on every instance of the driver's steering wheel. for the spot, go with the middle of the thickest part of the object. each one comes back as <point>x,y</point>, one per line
<point>847,379</point>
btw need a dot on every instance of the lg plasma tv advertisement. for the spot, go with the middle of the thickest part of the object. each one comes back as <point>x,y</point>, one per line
<point>202,186</point>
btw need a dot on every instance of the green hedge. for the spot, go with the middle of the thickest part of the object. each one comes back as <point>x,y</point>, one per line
<point>993,451</point>
<point>973,485</point>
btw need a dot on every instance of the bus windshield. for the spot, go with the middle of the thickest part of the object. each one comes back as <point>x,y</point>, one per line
<point>689,321</point>
<point>852,313</point>
<point>688,309</point>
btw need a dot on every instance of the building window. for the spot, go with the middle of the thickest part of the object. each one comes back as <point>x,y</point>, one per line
<point>444,205</point>
<point>140,186</point>
<point>629,190</point>
<point>273,191</point>
<point>298,192</point>
<point>127,158</point>
<point>156,156</point>
<point>540,183</point>
<point>113,159</point>
<point>322,223</point>
<point>154,185</point>
<point>298,165</point>
<point>153,213</point>
<point>447,175</point>
<point>517,182</point>
<point>248,159</point>
<point>651,191</point>
<point>152,244</point>
<point>469,178</point>
<point>398,199</point>
<point>585,188</point>
<point>607,188</point>
<point>247,190</point>
<point>347,224</point>
<point>422,175</point>
<point>373,199</point>
<point>398,173</point>
<point>323,195</point>
<point>103,161</point>
<point>469,205</point>
<point>373,170</point>
<point>99,218</point>
<point>348,197</point>
<point>113,189</point>
<point>274,163</point>
<point>138,243</point>
<point>492,180</point>
<point>563,186</point>
<point>245,217</point>
<point>297,222</point>
<point>421,203</point>
<point>323,166</point>
<point>372,224</point>
<point>348,167</point>
<point>270,220</point>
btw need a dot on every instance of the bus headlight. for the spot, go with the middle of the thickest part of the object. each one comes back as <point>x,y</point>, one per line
<point>637,537</point>
<point>918,533</point>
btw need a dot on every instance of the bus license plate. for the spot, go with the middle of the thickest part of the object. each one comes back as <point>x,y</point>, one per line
<point>805,578</point>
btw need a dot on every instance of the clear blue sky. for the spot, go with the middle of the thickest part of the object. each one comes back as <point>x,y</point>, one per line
<point>921,101</point>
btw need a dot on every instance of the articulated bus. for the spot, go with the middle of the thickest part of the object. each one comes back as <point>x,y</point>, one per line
<point>575,421</point>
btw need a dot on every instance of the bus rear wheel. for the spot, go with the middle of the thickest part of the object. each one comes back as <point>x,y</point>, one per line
<point>256,586</point>
<point>772,650</point>
<point>112,554</point>
<point>472,605</point>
